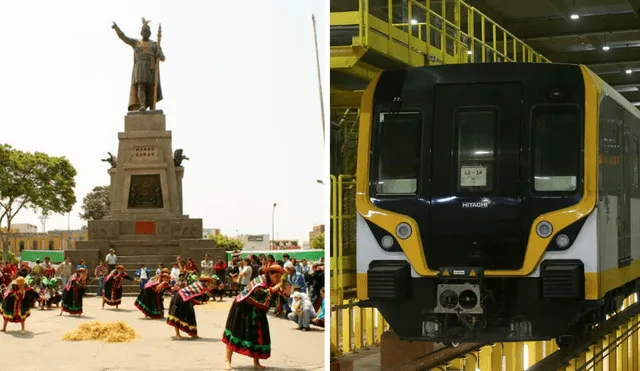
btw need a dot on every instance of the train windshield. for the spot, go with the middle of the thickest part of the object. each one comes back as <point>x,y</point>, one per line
<point>476,147</point>
<point>399,150</point>
<point>556,148</point>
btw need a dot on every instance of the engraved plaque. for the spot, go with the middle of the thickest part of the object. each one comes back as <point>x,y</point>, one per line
<point>145,153</point>
<point>145,192</point>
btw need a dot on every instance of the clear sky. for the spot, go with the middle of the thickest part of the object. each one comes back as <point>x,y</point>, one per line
<point>240,96</point>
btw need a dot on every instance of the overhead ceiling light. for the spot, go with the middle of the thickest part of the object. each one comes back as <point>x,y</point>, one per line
<point>575,16</point>
<point>628,71</point>
<point>605,48</point>
<point>413,21</point>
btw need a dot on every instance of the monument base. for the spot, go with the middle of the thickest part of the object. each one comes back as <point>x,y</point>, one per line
<point>146,224</point>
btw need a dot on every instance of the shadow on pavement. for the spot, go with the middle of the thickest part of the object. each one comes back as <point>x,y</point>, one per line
<point>27,335</point>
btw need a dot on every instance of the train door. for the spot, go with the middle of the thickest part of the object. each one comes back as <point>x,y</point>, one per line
<point>624,189</point>
<point>475,176</point>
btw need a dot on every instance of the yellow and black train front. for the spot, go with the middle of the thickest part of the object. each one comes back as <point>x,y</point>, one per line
<point>474,183</point>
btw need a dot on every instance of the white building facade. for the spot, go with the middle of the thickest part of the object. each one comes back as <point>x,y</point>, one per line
<point>254,242</point>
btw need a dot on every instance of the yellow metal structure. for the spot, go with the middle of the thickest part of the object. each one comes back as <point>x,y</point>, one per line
<point>410,33</point>
<point>372,37</point>
<point>355,328</point>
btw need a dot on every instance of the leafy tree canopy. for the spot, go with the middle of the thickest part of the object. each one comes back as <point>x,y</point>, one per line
<point>228,243</point>
<point>33,180</point>
<point>318,242</point>
<point>96,204</point>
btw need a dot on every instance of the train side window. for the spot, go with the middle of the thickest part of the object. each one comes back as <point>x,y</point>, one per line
<point>476,147</point>
<point>556,148</point>
<point>635,183</point>
<point>399,144</point>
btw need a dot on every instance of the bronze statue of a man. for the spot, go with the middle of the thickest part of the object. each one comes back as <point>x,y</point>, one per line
<point>146,54</point>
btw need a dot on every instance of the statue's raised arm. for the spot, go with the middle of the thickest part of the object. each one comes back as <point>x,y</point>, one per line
<point>129,41</point>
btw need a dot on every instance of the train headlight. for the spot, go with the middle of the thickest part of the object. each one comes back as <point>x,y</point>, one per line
<point>562,241</point>
<point>544,229</point>
<point>403,231</point>
<point>386,242</point>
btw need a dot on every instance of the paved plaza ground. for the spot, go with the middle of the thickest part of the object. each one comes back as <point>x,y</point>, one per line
<point>41,347</point>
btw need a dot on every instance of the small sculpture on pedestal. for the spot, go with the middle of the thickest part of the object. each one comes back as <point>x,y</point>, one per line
<point>112,160</point>
<point>178,157</point>
<point>145,89</point>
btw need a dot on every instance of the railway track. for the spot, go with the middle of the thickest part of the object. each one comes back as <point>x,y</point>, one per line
<point>438,358</point>
<point>574,355</point>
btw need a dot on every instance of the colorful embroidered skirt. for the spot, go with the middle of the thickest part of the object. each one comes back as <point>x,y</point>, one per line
<point>8,309</point>
<point>247,331</point>
<point>182,315</point>
<point>112,295</point>
<point>72,300</point>
<point>150,303</point>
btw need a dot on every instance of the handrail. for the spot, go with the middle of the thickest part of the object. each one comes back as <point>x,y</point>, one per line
<point>421,40</point>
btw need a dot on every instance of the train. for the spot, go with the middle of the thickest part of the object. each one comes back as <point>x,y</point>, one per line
<point>496,202</point>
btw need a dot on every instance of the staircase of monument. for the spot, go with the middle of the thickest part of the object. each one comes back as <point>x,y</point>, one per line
<point>132,253</point>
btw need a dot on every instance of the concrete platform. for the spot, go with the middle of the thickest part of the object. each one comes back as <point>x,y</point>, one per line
<point>41,347</point>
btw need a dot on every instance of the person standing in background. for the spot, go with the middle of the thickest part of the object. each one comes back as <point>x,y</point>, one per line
<point>206,266</point>
<point>81,264</point>
<point>101,273</point>
<point>111,259</point>
<point>255,267</point>
<point>220,268</point>
<point>245,273</point>
<point>64,270</point>
<point>49,272</point>
<point>175,274</point>
<point>143,273</point>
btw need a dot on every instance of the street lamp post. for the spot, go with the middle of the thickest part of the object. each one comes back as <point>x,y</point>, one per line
<point>273,236</point>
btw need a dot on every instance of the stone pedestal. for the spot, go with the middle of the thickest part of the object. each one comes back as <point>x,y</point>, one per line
<point>144,184</point>
<point>146,223</point>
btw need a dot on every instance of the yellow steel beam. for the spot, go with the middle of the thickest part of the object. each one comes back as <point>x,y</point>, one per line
<point>345,56</point>
<point>346,99</point>
<point>344,18</point>
<point>362,70</point>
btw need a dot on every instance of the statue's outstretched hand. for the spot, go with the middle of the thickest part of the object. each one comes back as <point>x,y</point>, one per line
<point>115,26</point>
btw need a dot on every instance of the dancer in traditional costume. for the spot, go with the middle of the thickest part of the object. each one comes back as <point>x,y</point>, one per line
<point>17,303</point>
<point>46,293</point>
<point>182,315</point>
<point>57,294</point>
<point>73,293</point>
<point>112,294</point>
<point>150,300</point>
<point>49,271</point>
<point>247,328</point>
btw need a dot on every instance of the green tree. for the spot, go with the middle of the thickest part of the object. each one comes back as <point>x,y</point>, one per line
<point>318,242</point>
<point>228,243</point>
<point>33,180</point>
<point>11,257</point>
<point>96,204</point>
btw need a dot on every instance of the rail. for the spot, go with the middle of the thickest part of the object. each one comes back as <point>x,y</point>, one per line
<point>443,31</point>
<point>612,345</point>
<point>354,328</point>
<point>343,230</point>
